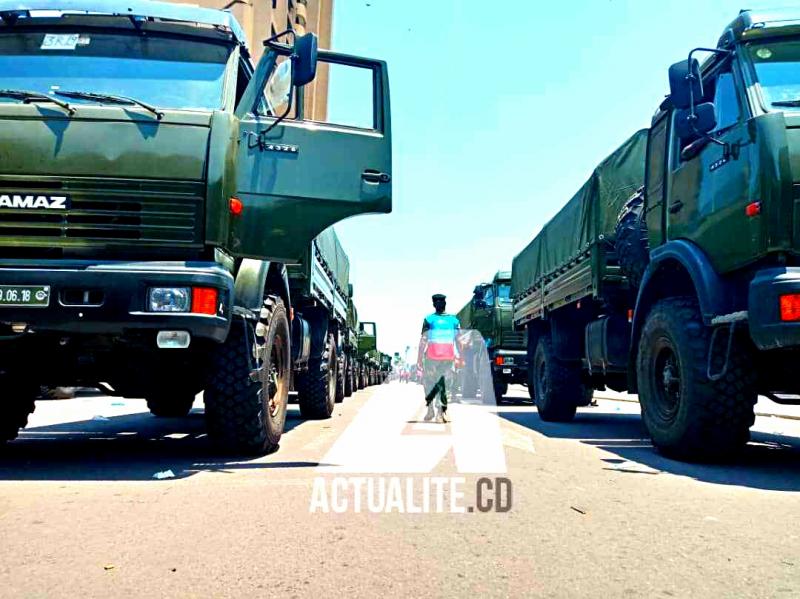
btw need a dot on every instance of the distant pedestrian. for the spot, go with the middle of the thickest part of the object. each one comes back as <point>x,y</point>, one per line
<point>437,356</point>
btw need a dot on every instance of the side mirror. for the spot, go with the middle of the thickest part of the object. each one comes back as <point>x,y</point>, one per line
<point>349,290</point>
<point>685,83</point>
<point>304,59</point>
<point>689,127</point>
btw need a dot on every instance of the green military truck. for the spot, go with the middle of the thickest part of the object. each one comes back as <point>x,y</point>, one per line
<point>319,287</point>
<point>689,291</point>
<point>351,381</point>
<point>154,184</point>
<point>489,312</point>
<point>368,354</point>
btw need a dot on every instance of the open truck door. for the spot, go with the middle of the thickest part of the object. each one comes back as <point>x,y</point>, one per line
<point>300,168</point>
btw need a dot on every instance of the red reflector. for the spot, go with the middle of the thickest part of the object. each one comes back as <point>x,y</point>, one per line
<point>204,300</point>
<point>753,209</point>
<point>630,315</point>
<point>499,360</point>
<point>236,206</point>
<point>790,306</point>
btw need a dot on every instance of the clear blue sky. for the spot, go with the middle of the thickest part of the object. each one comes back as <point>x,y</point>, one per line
<point>500,111</point>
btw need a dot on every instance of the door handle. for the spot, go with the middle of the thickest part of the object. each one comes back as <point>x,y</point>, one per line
<point>372,176</point>
<point>675,207</point>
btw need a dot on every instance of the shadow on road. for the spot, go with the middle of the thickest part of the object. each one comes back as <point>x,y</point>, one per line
<point>770,461</point>
<point>131,447</point>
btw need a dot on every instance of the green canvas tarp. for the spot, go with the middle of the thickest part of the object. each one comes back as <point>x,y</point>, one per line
<point>334,256</point>
<point>591,215</point>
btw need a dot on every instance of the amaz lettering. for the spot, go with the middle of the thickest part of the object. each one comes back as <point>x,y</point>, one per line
<point>34,202</point>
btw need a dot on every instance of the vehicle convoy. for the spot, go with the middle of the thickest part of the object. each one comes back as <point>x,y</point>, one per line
<point>154,186</point>
<point>320,287</point>
<point>368,355</point>
<point>489,313</point>
<point>688,292</point>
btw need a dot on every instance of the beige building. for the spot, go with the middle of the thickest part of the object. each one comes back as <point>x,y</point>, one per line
<point>262,19</point>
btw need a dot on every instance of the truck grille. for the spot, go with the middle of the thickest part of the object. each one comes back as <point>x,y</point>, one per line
<point>104,212</point>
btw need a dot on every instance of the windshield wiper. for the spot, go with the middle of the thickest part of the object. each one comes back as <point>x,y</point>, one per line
<point>110,98</point>
<point>28,96</point>
<point>789,103</point>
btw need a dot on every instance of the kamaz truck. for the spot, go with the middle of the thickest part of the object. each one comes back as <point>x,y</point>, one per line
<point>688,291</point>
<point>154,186</point>
<point>489,313</point>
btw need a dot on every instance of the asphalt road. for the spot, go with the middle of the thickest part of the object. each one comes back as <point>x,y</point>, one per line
<point>594,510</point>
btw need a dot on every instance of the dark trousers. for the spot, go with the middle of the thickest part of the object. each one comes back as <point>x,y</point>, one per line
<point>438,379</point>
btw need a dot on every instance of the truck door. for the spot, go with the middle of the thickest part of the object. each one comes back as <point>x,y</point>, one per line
<point>708,193</point>
<point>483,315</point>
<point>324,163</point>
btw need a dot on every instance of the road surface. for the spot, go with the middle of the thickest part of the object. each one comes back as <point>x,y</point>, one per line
<point>593,511</point>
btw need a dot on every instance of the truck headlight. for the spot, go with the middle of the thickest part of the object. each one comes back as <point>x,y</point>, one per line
<point>169,299</point>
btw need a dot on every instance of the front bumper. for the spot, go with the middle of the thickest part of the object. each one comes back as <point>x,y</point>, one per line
<point>514,367</point>
<point>767,329</point>
<point>122,291</point>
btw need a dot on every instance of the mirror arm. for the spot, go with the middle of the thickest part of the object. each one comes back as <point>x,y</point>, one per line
<point>273,44</point>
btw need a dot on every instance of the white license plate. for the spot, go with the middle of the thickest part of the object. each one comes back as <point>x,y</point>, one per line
<point>506,371</point>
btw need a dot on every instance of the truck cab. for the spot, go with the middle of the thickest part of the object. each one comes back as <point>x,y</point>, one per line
<point>490,313</point>
<point>154,184</point>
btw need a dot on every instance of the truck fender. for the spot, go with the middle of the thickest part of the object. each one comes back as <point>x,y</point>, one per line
<point>254,278</point>
<point>678,267</point>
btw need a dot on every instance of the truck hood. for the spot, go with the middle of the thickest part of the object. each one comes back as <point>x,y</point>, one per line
<point>102,141</point>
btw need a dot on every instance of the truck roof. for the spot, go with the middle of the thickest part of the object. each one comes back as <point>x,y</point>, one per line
<point>502,275</point>
<point>151,9</point>
<point>758,23</point>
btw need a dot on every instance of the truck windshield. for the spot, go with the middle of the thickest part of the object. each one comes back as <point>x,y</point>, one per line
<point>175,73</point>
<point>504,294</point>
<point>777,67</point>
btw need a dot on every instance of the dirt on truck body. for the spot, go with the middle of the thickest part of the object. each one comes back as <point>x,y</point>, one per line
<point>687,291</point>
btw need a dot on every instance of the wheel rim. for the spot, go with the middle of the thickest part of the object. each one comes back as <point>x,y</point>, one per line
<point>275,385</point>
<point>667,380</point>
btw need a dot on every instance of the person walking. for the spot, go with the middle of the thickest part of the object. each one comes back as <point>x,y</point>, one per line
<point>438,353</point>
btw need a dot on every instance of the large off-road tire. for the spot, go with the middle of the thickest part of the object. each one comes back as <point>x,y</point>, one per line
<point>559,389</point>
<point>170,404</point>
<point>689,416</point>
<point>631,245</point>
<point>340,375</point>
<point>316,388</point>
<point>248,386</point>
<point>348,377</point>
<point>16,404</point>
<point>500,389</point>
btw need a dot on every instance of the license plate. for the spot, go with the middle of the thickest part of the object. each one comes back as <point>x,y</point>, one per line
<point>31,296</point>
<point>506,371</point>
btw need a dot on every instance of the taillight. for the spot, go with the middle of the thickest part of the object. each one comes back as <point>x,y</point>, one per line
<point>499,360</point>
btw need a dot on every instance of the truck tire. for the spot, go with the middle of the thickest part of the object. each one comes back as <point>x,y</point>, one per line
<point>348,378</point>
<point>558,384</point>
<point>17,404</point>
<point>631,245</point>
<point>170,404</point>
<point>689,416</point>
<point>316,388</point>
<point>340,376</point>
<point>246,406</point>
<point>500,389</point>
